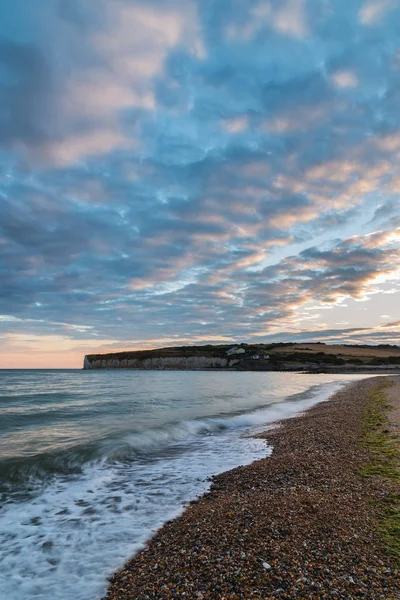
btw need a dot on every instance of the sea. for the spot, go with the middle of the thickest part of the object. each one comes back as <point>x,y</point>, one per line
<point>92,463</point>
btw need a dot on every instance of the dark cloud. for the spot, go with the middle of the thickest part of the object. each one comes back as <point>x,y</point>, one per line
<point>386,210</point>
<point>391,324</point>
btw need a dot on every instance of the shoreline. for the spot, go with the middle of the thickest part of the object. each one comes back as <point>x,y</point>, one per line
<point>374,372</point>
<point>298,524</point>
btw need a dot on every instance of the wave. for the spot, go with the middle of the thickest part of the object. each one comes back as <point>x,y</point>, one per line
<point>156,438</point>
<point>23,475</point>
<point>28,472</point>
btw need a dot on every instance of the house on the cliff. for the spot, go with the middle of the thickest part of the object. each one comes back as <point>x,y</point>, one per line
<point>235,350</point>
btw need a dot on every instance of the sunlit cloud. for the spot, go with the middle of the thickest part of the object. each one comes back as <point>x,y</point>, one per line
<point>291,18</point>
<point>373,10</point>
<point>345,79</point>
<point>236,124</point>
<point>70,150</point>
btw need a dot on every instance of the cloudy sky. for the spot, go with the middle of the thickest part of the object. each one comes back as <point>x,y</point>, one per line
<point>197,171</point>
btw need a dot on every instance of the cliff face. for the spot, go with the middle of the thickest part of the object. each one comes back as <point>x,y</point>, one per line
<point>170,362</point>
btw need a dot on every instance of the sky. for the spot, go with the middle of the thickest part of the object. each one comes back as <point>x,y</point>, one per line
<point>197,171</point>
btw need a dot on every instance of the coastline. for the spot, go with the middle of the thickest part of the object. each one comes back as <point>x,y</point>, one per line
<point>373,371</point>
<point>299,524</point>
<point>248,367</point>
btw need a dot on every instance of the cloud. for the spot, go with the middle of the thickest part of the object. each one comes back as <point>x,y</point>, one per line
<point>62,108</point>
<point>72,149</point>
<point>372,11</point>
<point>291,18</point>
<point>195,169</point>
<point>345,79</point>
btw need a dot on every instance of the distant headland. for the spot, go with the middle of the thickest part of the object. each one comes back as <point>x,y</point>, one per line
<point>315,357</point>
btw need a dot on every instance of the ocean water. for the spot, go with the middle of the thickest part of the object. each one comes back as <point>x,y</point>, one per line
<point>93,462</point>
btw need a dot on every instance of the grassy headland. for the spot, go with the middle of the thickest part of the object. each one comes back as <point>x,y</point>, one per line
<point>314,357</point>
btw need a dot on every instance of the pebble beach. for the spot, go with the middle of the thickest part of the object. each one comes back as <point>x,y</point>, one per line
<point>300,524</point>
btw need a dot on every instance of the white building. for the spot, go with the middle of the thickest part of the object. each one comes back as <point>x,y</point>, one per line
<point>235,350</point>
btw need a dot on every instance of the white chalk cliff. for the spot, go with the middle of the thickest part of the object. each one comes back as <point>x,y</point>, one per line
<point>171,362</point>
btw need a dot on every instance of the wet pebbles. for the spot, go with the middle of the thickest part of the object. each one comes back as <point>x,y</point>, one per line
<point>298,525</point>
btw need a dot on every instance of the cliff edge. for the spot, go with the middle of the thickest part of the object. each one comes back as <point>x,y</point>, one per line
<point>313,357</point>
<point>184,357</point>
<point>173,362</point>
